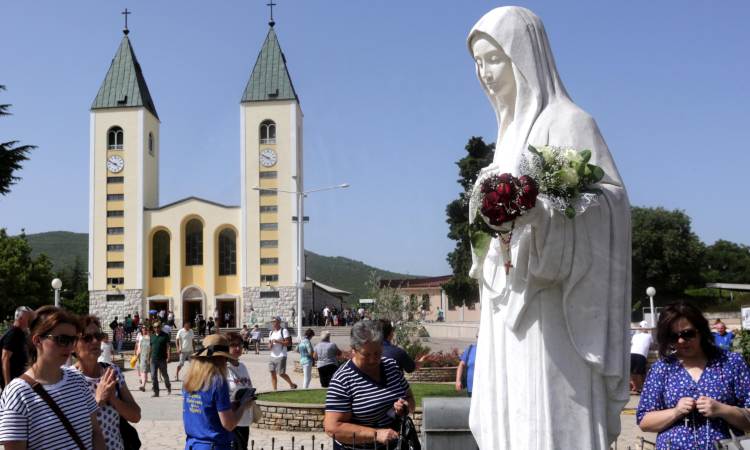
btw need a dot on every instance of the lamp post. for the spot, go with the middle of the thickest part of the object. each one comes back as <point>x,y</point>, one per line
<point>650,291</point>
<point>57,285</point>
<point>300,244</point>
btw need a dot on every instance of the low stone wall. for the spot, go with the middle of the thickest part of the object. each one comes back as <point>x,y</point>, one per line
<point>432,375</point>
<point>302,416</point>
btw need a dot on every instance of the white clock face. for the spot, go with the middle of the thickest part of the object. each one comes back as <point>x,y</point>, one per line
<point>115,164</point>
<point>267,157</point>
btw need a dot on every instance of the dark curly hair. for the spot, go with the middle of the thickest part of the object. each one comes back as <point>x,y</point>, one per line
<point>684,310</point>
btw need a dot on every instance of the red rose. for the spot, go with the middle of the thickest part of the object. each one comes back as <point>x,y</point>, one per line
<point>529,192</point>
<point>507,191</point>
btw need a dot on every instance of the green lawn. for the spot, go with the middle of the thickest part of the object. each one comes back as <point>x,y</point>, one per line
<point>420,390</point>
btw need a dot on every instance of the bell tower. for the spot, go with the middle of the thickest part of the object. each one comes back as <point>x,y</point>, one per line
<point>124,167</point>
<point>271,148</point>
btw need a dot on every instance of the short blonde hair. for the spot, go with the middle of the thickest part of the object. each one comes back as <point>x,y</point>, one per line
<point>202,372</point>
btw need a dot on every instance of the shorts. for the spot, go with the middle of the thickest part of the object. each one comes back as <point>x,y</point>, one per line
<point>637,364</point>
<point>184,357</point>
<point>277,365</point>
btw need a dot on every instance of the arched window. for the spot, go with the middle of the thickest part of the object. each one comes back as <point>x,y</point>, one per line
<point>160,254</point>
<point>194,243</point>
<point>114,138</point>
<point>227,252</point>
<point>151,144</point>
<point>268,132</point>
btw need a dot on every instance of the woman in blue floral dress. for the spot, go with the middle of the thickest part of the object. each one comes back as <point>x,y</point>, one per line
<point>695,391</point>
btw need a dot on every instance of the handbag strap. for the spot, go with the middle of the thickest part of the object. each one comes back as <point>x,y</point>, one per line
<point>56,409</point>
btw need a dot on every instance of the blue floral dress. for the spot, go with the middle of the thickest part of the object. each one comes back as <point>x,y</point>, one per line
<point>726,378</point>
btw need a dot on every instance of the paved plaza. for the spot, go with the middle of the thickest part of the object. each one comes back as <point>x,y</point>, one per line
<point>161,423</point>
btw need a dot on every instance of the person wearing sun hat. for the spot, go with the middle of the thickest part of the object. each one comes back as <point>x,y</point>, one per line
<point>207,413</point>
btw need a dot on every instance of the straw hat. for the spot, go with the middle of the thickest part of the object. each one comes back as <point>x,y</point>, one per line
<point>214,345</point>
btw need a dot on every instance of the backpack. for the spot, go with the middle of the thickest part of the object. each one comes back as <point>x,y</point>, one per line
<point>284,331</point>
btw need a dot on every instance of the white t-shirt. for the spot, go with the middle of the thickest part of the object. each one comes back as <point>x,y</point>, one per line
<point>326,311</point>
<point>24,416</point>
<point>185,338</point>
<point>640,343</point>
<point>255,334</point>
<point>238,378</point>
<point>278,350</point>
<point>106,355</point>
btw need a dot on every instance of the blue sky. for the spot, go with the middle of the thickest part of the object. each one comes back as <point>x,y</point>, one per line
<point>390,98</point>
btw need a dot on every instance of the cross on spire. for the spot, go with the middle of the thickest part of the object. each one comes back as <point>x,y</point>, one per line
<point>271,4</point>
<point>126,13</point>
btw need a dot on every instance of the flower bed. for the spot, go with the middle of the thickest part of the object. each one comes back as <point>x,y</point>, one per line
<point>432,375</point>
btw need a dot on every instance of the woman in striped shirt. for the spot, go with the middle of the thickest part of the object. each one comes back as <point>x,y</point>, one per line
<point>366,394</point>
<point>26,420</point>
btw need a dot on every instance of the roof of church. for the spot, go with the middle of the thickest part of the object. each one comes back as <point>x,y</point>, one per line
<point>270,78</point>
<point>124,85</point>
<point>191,198</point>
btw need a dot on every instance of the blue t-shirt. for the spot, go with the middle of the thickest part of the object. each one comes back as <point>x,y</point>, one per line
<point>468,357</point>
<point>725,341</point>
<point>305,352</point>
<point>200,413</point>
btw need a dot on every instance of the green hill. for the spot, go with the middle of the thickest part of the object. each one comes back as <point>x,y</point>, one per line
<point>62,247</point>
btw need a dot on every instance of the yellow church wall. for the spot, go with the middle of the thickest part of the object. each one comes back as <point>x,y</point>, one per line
<point>115,205</point>
<point>115,222</point>
<point>160,286</point>
<point>115,189</point>
<point>115,239</point>
<point>226,284</point>
<point>287,116</point>
<point>150,162</point>
<point>194,275</point>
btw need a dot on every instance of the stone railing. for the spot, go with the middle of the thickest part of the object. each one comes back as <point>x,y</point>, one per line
<point>302,416</point>
<point>432,375</point>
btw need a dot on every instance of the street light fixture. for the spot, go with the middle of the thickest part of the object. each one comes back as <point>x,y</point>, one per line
<point>651,292</point>
<point>300,245</point>
<point>57,285</point>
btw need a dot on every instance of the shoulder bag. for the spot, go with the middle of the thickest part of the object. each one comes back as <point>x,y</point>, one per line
<point>56,409</point>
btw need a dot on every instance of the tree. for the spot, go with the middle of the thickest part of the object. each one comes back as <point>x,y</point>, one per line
<point>462,290</point>
<point>75,294</point>
<point>666,253</point>
<point>12,156</point>
<point>727,262</point>
<point>23,280</point>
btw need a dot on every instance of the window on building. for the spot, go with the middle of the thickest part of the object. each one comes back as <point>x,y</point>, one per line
<point>264,278</point>
<point>115,281</point>
<point>115,230</point>
<point>115,264</point>
<point>151,144</point>
<point>160,254</point>
<point>115,180</point>
<point>194,243</point>
<point>269,294</point>
<point>268,192</point>
<point>227,252</point>
<point>115,247</point>
<point>115,297</point>
<point>269,174</point>
<point>268,132</point>
<point>115,197</point>
<point>269,208</point>
<point>426,302</point>
<point>116,213</point>
<point>269,226</point>
<point>269,261</point>
<point>114,138</point>
<point>269,244</point>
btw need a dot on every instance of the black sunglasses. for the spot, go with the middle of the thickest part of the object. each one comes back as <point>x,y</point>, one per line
<point>63,340</point>
<point>90,337</point>
<point>686,335</point>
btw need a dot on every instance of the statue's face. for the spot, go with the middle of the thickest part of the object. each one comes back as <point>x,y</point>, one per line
<point>495,68</point>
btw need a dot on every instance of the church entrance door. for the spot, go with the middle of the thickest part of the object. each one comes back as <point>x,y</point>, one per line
<point>228,309</point>
<point>192,305</point>
<point>154,306</point>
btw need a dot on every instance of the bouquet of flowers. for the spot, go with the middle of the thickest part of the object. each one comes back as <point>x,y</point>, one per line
<point>563,176</point>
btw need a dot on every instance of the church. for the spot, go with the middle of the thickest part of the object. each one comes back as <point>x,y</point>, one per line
<point>195,256</point>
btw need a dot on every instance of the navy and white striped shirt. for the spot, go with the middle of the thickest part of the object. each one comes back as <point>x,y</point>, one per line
<point>352,391</point>
<point>25,416</point>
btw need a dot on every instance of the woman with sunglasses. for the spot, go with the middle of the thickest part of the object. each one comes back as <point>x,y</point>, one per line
<point>208,415</point>
<point>695,391</point>
<point>106,383</point>
<point>27,420</point>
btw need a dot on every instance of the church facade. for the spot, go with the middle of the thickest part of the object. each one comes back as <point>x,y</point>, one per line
<point>194,256</point>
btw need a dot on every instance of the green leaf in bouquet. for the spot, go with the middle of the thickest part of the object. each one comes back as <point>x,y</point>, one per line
<point>480,242</point>
<point>570,212</point>
<point>585,155</point>
<point>596,173</point>
<point>533,150</point>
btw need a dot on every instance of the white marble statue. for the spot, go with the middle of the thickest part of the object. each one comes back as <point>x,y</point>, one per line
<point>552,357</point>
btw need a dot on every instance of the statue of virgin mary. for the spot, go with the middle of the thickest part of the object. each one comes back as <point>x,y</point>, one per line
<point>552,354</point>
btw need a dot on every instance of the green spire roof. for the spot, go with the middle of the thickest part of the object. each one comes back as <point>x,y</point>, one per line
<point>124,85</point>
<point>270,78</point>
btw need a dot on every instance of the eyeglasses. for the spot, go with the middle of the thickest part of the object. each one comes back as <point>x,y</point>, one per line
<point>88,338</point>
<point>685,335</point>
<point>63,340</point>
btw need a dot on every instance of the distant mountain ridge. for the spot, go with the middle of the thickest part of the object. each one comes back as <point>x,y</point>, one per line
<point>63,247</point>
